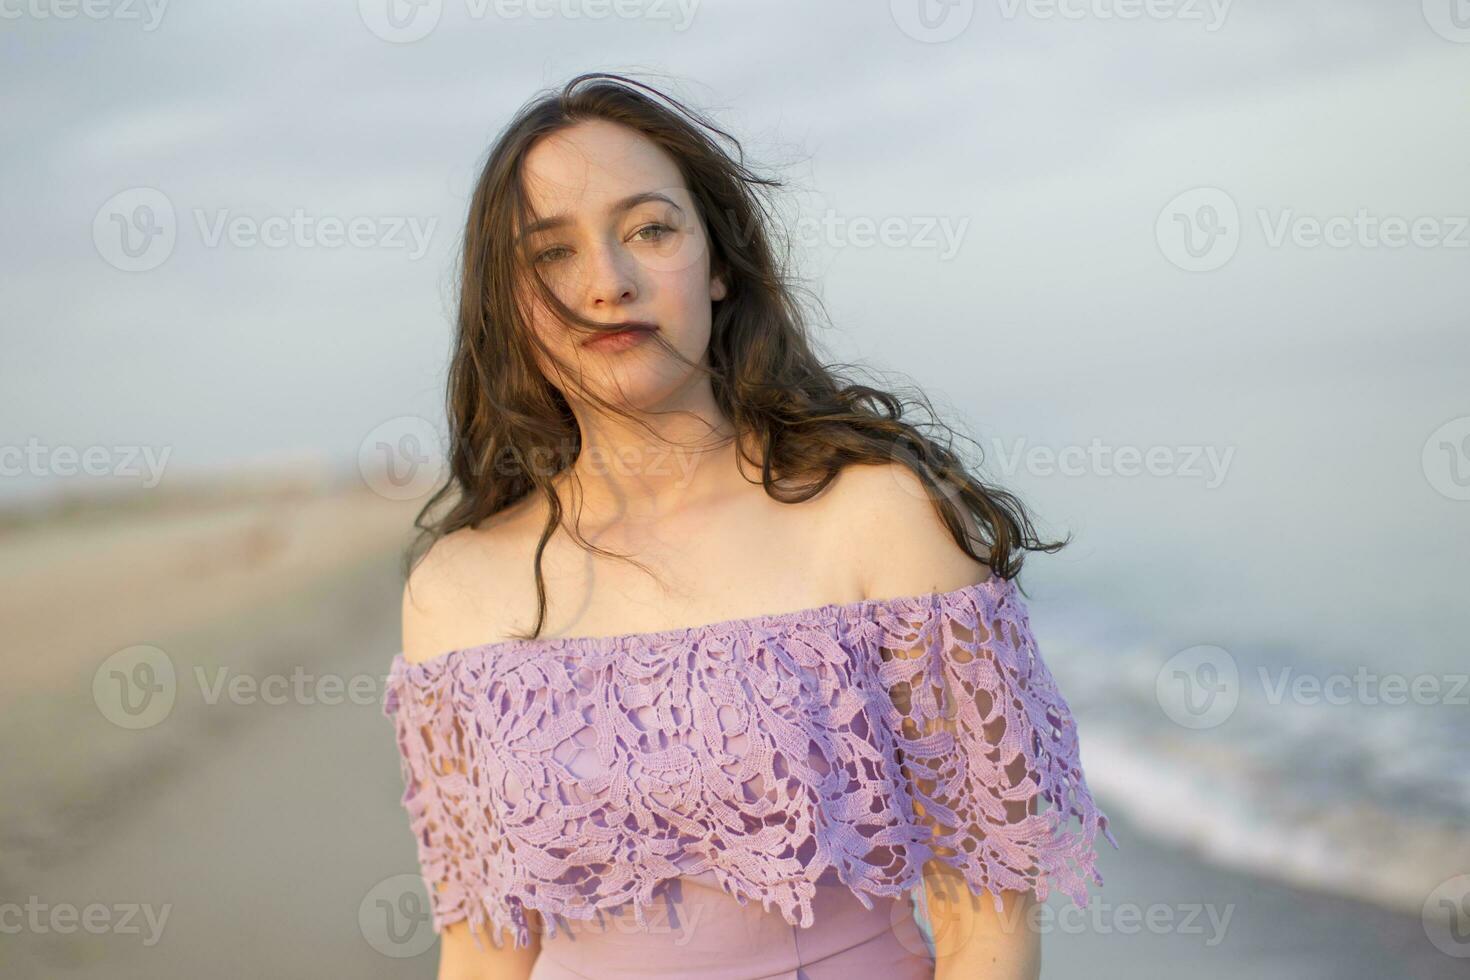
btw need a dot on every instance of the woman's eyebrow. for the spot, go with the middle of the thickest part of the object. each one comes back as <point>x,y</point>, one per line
<point>627,203</point>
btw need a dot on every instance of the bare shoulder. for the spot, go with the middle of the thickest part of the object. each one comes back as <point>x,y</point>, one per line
<point>449,587</point>
<point>887,526</point>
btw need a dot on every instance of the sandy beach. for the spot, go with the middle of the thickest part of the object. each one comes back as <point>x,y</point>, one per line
<point>255,830</point>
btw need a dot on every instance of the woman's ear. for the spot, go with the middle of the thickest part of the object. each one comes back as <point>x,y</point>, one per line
<point>717,290</point>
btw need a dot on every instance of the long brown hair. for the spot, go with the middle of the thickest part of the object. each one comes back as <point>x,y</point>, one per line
<point>512,431</point>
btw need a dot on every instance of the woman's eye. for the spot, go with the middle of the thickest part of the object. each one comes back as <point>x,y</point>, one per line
<point>662,229</point>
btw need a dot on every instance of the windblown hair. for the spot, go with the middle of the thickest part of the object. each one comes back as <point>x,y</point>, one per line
<point>512,431</point>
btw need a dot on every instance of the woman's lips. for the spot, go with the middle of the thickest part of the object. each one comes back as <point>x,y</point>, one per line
<point>620,340</point>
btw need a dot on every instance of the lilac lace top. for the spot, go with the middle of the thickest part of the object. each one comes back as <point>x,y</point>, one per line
<point>863,740</point>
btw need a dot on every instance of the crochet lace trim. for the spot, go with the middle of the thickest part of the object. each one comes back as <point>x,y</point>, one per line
<point>864,740</point>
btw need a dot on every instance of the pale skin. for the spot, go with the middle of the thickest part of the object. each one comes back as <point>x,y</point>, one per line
<point>719,548</point>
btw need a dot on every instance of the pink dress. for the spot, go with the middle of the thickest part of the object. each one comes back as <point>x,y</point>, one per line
<point>737,799</point>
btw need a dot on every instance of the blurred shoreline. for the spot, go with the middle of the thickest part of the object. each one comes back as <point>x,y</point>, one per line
<point>209,577</point>
<point>276,477</point>
<point>97,572</point>
<point>1361,801</point>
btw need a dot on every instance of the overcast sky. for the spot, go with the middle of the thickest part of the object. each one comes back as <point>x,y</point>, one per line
<point>1101,227</point>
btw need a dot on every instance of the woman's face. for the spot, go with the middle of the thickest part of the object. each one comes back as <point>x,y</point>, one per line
<point>618,239</point>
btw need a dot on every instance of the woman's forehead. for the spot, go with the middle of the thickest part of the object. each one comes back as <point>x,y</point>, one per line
<point>586,169</point>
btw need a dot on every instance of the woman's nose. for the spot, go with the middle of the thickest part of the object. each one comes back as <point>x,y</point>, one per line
<point>612,277</point>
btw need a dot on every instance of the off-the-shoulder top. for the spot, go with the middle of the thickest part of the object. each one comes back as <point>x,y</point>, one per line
<point>573,774</point>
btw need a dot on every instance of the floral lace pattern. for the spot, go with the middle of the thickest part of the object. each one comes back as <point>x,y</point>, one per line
<point>862,740</point>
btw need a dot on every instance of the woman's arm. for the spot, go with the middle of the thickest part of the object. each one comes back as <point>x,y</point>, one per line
<point>428,610</point>
<point>971,939</point>
<point>461,959</point>
<point>892,533</point>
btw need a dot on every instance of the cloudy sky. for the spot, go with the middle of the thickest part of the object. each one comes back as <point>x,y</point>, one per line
<point>1229,234</point>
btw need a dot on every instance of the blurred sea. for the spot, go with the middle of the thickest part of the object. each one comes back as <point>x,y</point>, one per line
<point>1269,759</point>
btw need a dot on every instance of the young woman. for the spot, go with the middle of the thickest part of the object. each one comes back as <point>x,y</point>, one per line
<point>715,664</point>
